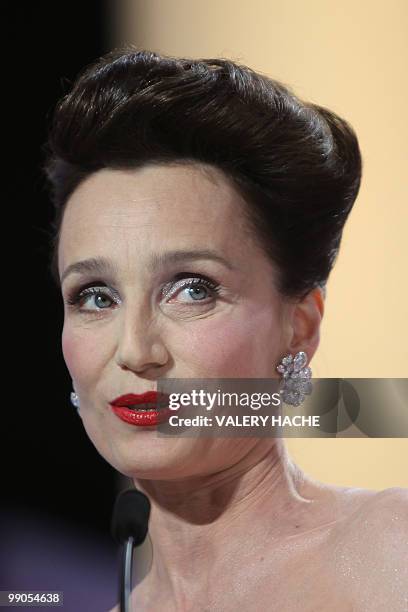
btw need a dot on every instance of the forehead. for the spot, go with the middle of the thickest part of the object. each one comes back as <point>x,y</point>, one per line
<point>156,206</point>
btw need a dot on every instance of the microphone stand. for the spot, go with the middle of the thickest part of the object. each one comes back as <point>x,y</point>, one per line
<point>126,578</point>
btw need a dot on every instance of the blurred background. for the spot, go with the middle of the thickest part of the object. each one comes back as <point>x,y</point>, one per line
<point>350,57</point>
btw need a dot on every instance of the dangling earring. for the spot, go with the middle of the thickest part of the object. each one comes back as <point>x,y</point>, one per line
<point>75,400</point>
<point>296,378</point>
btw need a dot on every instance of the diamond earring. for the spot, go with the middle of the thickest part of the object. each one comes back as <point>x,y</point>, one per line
<point>74,400</point>
<point>296,378</point>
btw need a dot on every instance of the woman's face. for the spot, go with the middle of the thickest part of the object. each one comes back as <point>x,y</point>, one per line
<point>154,226</point>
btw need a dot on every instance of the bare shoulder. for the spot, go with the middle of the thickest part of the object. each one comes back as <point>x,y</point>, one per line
<point>383,514</point>
<point>370,552</point>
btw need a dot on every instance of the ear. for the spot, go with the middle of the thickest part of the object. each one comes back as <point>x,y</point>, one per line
<point>305,323</point>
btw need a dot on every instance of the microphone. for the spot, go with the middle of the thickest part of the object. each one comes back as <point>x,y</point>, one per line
<point>130,519</point>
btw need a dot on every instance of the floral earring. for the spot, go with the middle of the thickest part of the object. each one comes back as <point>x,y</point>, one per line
<point>74,399</point>
<point>296,378</point>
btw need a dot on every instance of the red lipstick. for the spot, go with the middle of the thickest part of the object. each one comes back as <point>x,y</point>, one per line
<point>149,408</point>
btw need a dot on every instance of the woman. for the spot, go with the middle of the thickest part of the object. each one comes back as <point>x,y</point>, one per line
<point>200,208</point>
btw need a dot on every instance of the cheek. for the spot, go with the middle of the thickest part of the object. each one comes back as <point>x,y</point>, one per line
<point>234,346</point>
<point>82,353</point>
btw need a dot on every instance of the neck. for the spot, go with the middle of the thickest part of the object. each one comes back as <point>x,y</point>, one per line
<point>197,525</point>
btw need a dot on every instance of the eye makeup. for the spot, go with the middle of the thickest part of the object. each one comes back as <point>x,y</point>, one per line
<point>188,280</point>
<point>181,281</point>
<point>96,287</point>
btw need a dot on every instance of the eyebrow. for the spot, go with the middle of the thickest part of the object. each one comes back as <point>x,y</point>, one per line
<point>102,265</point>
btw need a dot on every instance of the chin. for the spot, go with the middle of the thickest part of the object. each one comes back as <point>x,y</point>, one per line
<point>153,459</point>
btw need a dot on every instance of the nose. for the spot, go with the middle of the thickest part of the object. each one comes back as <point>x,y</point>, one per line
<point>140,346</point>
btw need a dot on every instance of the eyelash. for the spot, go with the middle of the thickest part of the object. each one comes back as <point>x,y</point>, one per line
<point>77,294</point>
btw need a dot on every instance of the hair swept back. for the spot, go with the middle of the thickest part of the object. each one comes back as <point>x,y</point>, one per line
<point>298,165</point>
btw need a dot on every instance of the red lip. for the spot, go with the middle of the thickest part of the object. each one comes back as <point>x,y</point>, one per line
<point>150,397</point>
<point>142,419</point>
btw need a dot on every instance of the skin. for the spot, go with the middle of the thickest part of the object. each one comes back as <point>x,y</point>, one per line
<point>302,549</point>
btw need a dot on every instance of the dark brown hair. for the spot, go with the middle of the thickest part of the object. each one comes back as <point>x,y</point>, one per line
<point>297,164</point>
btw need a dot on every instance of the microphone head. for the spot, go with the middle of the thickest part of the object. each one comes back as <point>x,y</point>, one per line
<point>130,516</point>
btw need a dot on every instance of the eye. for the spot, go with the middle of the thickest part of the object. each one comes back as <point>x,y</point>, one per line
<point>101,299</point>
<point>192,290</point>
<point>184,289</point>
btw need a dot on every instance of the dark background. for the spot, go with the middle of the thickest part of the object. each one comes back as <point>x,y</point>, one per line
<point>58,491</point>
